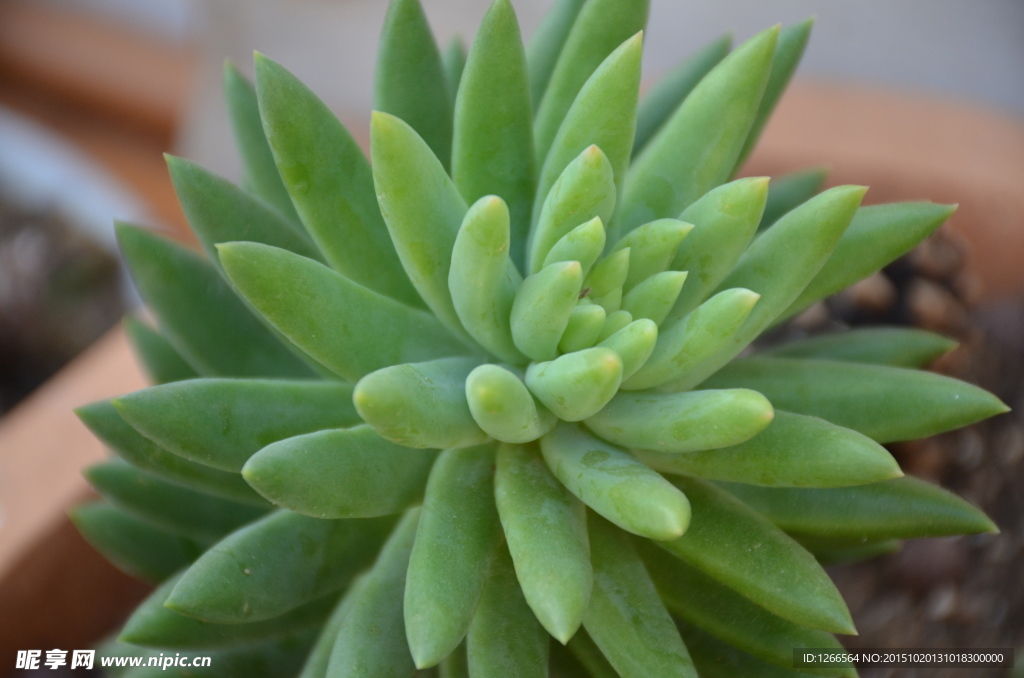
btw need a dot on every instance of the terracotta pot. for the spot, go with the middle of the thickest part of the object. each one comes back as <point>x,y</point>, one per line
<point>55,592</point>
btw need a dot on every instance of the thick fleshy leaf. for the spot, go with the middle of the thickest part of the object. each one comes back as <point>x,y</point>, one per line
<point>505,639</point>
<point>588,655</point>
<point>218,211</point>
<point>685,344</point>
<point>320,655</point>
<point>698,147</point>
<point>584,244</point>
<point>665,97</point>
<point>198,312</point>
<point>654,297</point>
<point>884,403</point>
<point>341,473</point>
<point>420,404</point>
<point>626,617</point>
<point>546,44</point>
<point>134,545</point>
<point>716,609</point>
<point>794,451</point>
<point>789,191</point>
<point>634,343</point>
<point>421,206</point>
<point>614,322</point>
<point>829,551</point>
<point>902,508</point>
<point>454,60</point>
<point>614,484</point>
<point>779,264</point>
<point>330,183</point>
<point>455,543</point>
<point>346,327</point>
<point>259,171</point>
<point>546,530</point>
<point>455,665</point>
<point>155,624</point>
<point>160,360</point>
<point>166,505</point>
<point>651,248</point>
<point>603,115</point>
<point>410,81</point>
<point>275,565</point>
<point>585,324</point>
<point>725,220</point>
<point>608,275</point>
<point>223,422</point>
<point>492,150</point>
<point>715,659</point>
<point>599,28</point>
<point>576,385</point>
<point>788,50</point>
<point>483,280</point>
<point>106,424</point>
<point>541,309</point>
<point>682,422</point>
<point>503,406</point>
<point>585,190</point>
<point>371,641</point>
<point>894,346</point>
<point>779,575</point>
<point>878,235</point>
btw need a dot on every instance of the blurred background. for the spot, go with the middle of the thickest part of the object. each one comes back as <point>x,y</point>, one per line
<point>920,98</point>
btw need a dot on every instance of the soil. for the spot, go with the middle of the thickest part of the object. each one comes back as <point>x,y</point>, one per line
<point>59,291</point>
<point>961,592</point>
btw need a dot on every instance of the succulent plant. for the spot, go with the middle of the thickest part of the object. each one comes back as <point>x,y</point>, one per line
<point>488,395</point>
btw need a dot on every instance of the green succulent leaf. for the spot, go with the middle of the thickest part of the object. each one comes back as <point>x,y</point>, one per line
<point>697,148</point>
<point>830,551</point>
<point>172,507</point>
<point>626,617</point>
<point>608,275</point>
<point>455,665</point>
<point>155,624</point>
<point>319,657</point>
<point>790,47</point>
<point>893,346</point>
<point>546,45</point>
<point>198,312</point>
<point>902,508</point>
<point>546,531</point>
<point>410,78</point>
<point>682,422</point>
<point>576,385</point>
<point>585,324</point>
<point>614,322</point>
<point>598,29</point>
<point>132,544</point>
<point>878,235</point>
<point>884,403</point>
<point>779,575</point>
<point>503,406</point>
<point>330,183</point>
<point>421,206</point>
<point>340,473</point>
<point>455,543</point>
<point>223,422</point>
<point>542,307</point>
<point>371,640</point>
<point>218,211</point>
<point>103,419</point>
<point>454,60</point>
<point>789,191</point>
<point>715,659</point>
<point>348,328</point>
<point>654,297</point>
<point>614,484</point>
<point>634,343</point>
<point>589,657</point>
<point>718,610</point>
<point>651,248</point>
<point>793,451</point>
<point>492,151</point>
<point>666,96</point>
<point>263,659</point>
<point>584,244</point>
<point>725,219</point>
<point>483,280</point>
<point>259,171</point>
<point>505,639</point>
<point>420,404</point>
<point>603,115</point>
<point>274,565</point>
<point>159,359</point>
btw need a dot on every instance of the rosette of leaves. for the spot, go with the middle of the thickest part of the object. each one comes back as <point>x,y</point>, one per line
<point>483,401</point>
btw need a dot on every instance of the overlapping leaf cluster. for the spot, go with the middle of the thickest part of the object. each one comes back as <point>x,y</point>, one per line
<point>490,389</point>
